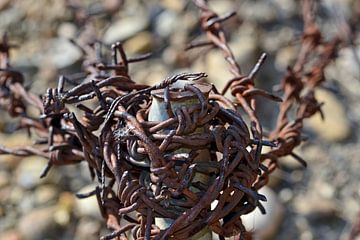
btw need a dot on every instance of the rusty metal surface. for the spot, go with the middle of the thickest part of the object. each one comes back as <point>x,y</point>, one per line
<point>135,160</point>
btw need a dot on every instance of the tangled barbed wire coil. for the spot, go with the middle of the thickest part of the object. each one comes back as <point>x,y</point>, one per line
<point>178,152</point>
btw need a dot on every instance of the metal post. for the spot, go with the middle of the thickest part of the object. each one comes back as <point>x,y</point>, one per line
<point>178,98</point>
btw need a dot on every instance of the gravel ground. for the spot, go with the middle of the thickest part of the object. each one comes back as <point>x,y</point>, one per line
<point>320,202</point>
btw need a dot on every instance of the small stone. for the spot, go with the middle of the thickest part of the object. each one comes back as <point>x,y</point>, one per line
<point>216,68</point>
<point>66,201</point>
<point>10,235</point>
<point>261,11</point>
<point>222,7</point>
<point>38,223</point>
<point>290,163</point>
<point>275,179</point>
<point>11,141</point>
<point>45,194</point>
<point>274,40</point>
<point>16,194</point>
<point>265,226</point>
<point>286,8</point>
<point>306,235</point>
<point>346,70</point>
<point>166,23</point>
<point>285,57</point>
<point>286,195</point>
<point>297,175</point>
<point>9,17</point>
<point>336,126</point>
<point>315,206</point>
<point>4,179</point>
<point>64,208</point>
<point>66,30</point>
<point>140,43</point>
<point>125,28</point>
<point>150,75</point>
<point>88,206</point>
<point>62,217</point>
<point>29,170</point>
<point>326,190</point>
<point>4,4</point>
<point>88,228</point>
<point>177,6</point>
<point>62,53</point>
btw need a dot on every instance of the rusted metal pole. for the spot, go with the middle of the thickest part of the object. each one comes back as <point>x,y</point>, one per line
<point>167,103</point>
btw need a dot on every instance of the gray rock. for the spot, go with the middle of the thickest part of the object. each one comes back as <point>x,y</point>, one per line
<point>45,194</point>
<point>27,174</point>
<point>62,53</point>
<point>265,226</point>
<point>314,204</point>
<point>285,57</point>
<point>285,8</point>
<point>88,206</point>
<point>88,228</point>
<point>4,179</point>
<point>4,4</point>
<point>9,17</point>
<point>262,11</point>
<point>140,43</point>
<point>37,224</point>
<point>336,126</point>
<point>346,69</point>
<point>125,28</point>
<point>286,195</point>
<point>165,23</point>
<point>177,6</point>
<point>10,235</point>
<point>66,30</point>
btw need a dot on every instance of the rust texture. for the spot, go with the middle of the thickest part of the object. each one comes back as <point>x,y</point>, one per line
<point>141,174</point>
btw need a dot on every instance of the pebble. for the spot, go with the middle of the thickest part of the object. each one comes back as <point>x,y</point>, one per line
<point>286,195</point>
<point>88,206</point>
<point>315,206</point>
<point>9,17</point>
<point>125,28</point>
<point>273,41</point>
<point>336,126</point>
<point>88,228</point>
<point>275,179</point>
<point>66,30</point>
<point>265,226</point>
<point>4,179</point>
<point>216,68</point>
<point>64,208</point>
<point>290,163</point>
<point>4,4</point>
<point>13,140</point>
<point>38,223</point>
<point>151,75</point>
<point>262,11</point>
<point>62,53</point>
<point>166,23</point>
<point>140,43</point>
<point>346,70</point>
<point>10,235</point>
<point>222,7</point>
<point>45,194</point>
<point>285,57</point>
<point>176,6</point>
<point>285,8</point>
<point>27,174</point>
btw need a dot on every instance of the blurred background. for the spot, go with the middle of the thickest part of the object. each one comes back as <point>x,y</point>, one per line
<point>319,202</point>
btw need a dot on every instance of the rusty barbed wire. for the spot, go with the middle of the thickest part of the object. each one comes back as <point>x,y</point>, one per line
<point>150,169</point>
